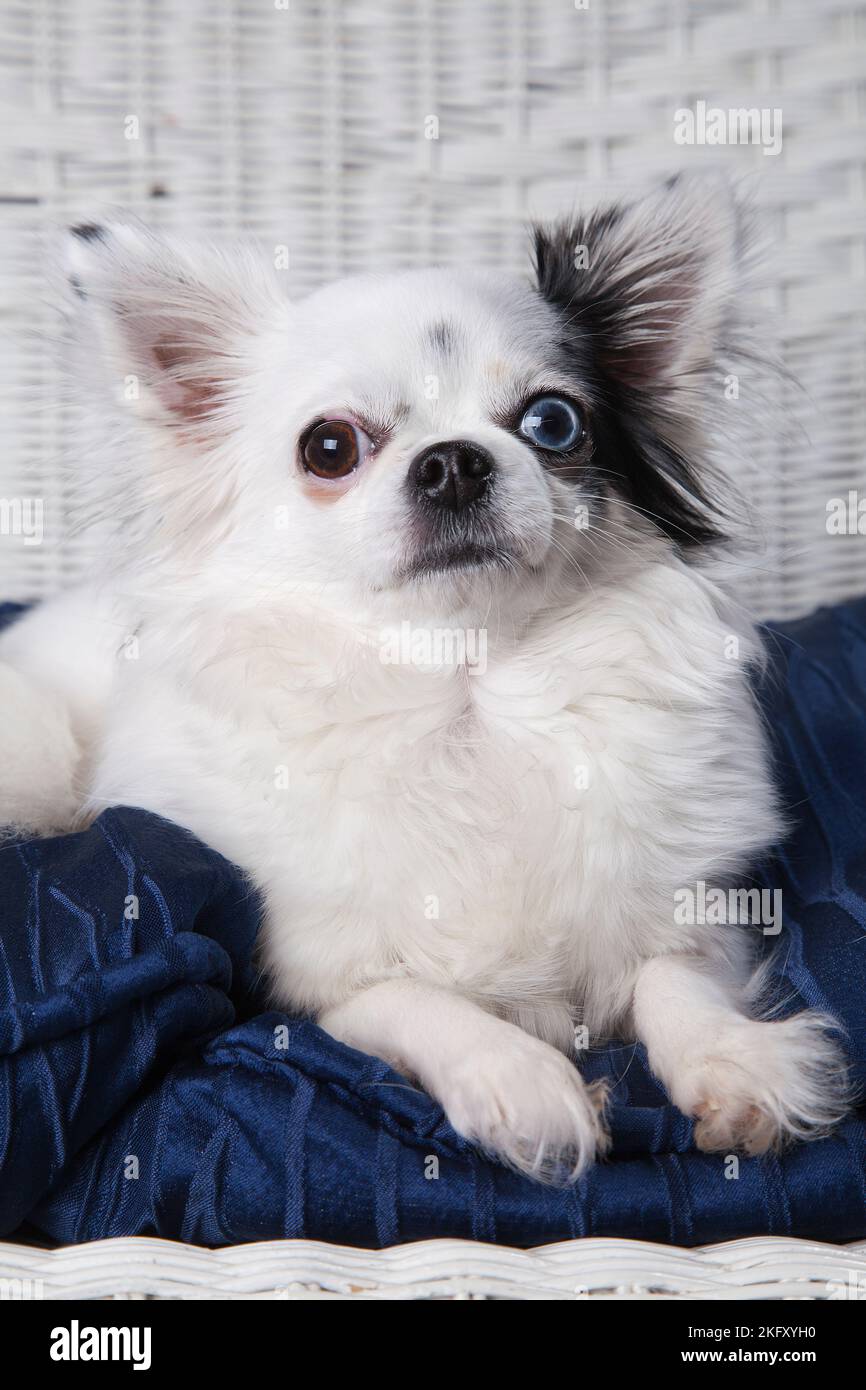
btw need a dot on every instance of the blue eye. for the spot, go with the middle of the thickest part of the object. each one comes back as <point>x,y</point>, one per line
<point>552,422</point>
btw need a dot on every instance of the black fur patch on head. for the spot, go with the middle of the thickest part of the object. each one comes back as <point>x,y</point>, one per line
<point>443,337</point>
<point>621,306</point>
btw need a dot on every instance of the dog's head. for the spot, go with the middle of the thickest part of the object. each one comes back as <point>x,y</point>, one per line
<point>435,434</point>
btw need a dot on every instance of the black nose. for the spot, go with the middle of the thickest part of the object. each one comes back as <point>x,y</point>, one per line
<point>453,474</point>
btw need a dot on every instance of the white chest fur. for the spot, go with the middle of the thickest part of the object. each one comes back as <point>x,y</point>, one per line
<point>520,830</point>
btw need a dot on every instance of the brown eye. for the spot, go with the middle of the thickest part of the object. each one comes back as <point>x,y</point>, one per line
<point>335,448</point>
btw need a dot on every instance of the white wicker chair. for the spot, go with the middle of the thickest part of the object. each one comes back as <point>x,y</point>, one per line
<point>398,132</point>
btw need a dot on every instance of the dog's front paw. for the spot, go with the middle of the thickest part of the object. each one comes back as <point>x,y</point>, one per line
<point>527,1105</point>
<point>759,1085</point>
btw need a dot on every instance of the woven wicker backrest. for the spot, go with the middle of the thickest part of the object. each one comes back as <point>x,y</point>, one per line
<point>396,132</point>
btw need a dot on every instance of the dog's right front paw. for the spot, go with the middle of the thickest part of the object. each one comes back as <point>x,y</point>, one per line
<point>527,1105</point>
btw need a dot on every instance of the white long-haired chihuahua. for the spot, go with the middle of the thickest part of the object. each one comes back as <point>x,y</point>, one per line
<point>408,612</point>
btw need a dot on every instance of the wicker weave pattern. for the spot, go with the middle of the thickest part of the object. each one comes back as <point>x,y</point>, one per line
<point>136,1267</point>
<point>310,124</point>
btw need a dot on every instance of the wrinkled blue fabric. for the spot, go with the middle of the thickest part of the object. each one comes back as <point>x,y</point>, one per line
<point>145,1088</point>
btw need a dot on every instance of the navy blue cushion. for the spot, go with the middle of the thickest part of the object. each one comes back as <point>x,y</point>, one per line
<point>144,1089</point>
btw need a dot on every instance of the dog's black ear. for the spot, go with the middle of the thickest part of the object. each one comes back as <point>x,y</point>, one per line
<point>651,292</point>
<point>654,284</point>
<point>169,323</point>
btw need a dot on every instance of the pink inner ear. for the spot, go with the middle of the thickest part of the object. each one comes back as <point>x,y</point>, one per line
<point>181,388</point>
<point>649,342</point>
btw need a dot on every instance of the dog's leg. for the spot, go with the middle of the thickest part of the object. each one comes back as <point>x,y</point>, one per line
<point>515,1097</point>
<point>56,667</point>
<point>750,1084</point>
<point>39,755</point>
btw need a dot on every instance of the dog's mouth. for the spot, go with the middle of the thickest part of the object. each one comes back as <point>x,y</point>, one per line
<point>451,559</point>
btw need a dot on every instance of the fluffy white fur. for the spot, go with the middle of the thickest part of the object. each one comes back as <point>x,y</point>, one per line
<point>457,866</point>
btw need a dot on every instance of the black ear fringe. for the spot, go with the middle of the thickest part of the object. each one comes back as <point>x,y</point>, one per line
<point>659,481</point>
<point>88,231</point>
<point>84,231</point>
<point>554,249</point>
<point>649,472</point>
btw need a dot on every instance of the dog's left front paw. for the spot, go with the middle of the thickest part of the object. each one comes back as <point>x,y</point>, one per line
<point>759,1085</point>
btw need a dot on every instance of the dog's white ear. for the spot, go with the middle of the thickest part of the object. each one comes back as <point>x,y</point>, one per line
<point>173,324</point>
<point>654,285</point>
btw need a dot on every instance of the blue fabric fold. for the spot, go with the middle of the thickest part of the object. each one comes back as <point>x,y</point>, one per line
<point>146,1088</point>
